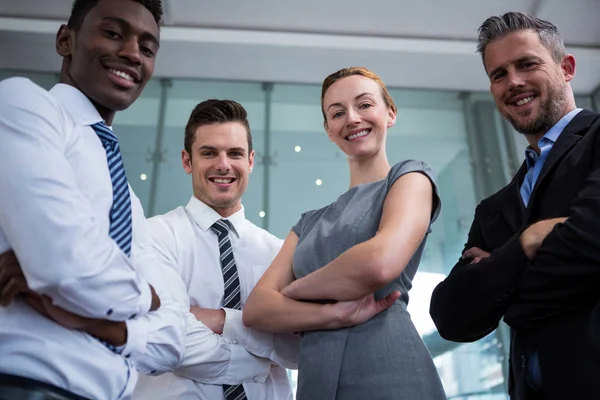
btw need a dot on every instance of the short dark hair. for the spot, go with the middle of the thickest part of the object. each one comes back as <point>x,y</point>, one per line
<point>496,27</point>
<point>215,111</point>
<point>81,8</point>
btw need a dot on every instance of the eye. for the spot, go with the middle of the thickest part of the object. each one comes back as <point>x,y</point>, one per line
<point>111,34</point>
<point>364,106</point>
<point>236,154</point>
<point>497,76</point>
<point>337,114</point>
<point>147,51</point>
<point>207,153</point>
<point>527,65</point>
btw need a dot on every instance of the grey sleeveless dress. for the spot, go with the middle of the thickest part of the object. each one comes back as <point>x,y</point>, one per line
<point>385,357</point>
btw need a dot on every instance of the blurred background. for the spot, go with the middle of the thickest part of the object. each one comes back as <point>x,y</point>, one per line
<point>271,56</point>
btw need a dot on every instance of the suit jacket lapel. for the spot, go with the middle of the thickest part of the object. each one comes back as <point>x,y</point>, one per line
<point>573,132</point>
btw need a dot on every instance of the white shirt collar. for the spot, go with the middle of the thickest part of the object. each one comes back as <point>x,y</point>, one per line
<point>76,104</point>
<point>205,216</point>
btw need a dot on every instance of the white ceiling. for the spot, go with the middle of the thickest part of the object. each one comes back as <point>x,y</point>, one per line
<point>426,44</point>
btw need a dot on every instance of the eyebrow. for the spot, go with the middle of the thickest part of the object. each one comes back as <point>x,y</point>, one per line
<point>518,61</point>
<point>124,24</point>
<point>206,147</point>
<point>356,98</point>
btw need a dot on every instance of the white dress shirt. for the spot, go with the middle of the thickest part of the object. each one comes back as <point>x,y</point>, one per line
<point>240,355</point>
<point>54,214</point>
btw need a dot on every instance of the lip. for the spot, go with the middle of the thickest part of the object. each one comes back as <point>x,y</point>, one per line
<point>133,72</point>
<point>513,100</point>
<point>354,131</point>
<point>222,185</point>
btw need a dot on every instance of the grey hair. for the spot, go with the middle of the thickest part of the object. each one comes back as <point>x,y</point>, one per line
<point>497,27</point>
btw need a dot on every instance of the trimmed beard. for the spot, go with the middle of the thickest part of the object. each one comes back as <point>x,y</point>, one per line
<point>550,113</point>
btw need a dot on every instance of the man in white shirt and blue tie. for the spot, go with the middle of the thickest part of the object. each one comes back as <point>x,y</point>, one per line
<point>92,309</point>
<point>219,256</point>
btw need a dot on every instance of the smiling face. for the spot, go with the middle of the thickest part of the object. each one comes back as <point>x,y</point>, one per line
<point>357,117</point>
<point>110,57</point>
<point>220,165</point>
<point>530,88</point>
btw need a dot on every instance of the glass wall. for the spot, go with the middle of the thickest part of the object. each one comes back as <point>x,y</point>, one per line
<point>298,168</point>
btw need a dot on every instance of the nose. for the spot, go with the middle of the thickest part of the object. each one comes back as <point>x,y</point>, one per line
<point>222,163</point>
<point>515,80</point>
<point>131,50</point>
<point>352,117</point>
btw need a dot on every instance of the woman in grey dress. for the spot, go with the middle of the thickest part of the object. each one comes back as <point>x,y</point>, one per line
<point>343,274</point>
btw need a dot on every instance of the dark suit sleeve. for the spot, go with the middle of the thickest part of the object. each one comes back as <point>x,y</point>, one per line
<point>565,274</point>
<point>470,302</point>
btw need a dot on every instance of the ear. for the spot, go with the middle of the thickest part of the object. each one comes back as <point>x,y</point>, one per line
<point>251,161</point>
<point>64,41</point>
<point>567,65</point>
<point>391,117</point>
<point>186,161</point>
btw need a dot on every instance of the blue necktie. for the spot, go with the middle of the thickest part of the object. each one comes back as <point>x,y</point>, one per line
<point>120,213</point>
<point>533,373</point>
<point>231,297</point>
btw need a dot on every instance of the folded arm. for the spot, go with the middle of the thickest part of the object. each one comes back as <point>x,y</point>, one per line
<point>565,273</point>
<point>371,265</point>
<point>471,301</point>
<point>208,357</point>
<point>268,309</point>
<point>49,223</point>
<point>156,341</point>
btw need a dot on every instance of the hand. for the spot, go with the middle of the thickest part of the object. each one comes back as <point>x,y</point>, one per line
<point>531,239</point>
<point>155,305</point>
<point>476,254</point>
<point>213,319</point>
<point>12,280</point>
<point>356,312</point>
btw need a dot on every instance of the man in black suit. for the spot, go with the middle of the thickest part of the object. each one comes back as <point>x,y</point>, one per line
<point>533,252</point>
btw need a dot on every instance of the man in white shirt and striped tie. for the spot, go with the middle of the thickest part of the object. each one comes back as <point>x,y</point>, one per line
<point>219,256</point>
<point>86,317</point>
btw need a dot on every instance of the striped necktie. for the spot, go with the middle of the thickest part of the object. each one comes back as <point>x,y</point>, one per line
<point>120,213</point>
<point>231,298</point>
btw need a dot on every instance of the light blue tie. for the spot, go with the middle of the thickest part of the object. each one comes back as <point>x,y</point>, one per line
<point>120,213</point>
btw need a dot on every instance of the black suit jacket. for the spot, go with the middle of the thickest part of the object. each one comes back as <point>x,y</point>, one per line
<point>552,302</point>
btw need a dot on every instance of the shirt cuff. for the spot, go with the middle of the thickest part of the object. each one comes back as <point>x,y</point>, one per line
<point>145,300</point>
<point>257,342</point>
<point>247,369</point>
<point>137,338</point>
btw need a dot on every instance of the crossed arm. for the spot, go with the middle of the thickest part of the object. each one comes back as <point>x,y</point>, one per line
<point>277,302</point>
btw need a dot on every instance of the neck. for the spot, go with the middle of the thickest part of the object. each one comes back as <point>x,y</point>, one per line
<point>368,170</point>
<point>223,211</point>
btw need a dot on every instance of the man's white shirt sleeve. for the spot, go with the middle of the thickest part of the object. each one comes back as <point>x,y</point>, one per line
<point>208,357</point>
<point>48,222</point>
<point>155,341</point>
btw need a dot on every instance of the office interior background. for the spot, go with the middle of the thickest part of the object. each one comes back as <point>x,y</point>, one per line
<point>272,55</point>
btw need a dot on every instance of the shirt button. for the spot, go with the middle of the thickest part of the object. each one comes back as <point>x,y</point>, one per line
<point>133,316</point>
<point>127,355</point>
<point>110,311</point>
<point>523,361</point>
<point>153,371</point>
<point>234,341</point>
<point>255,378</point>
